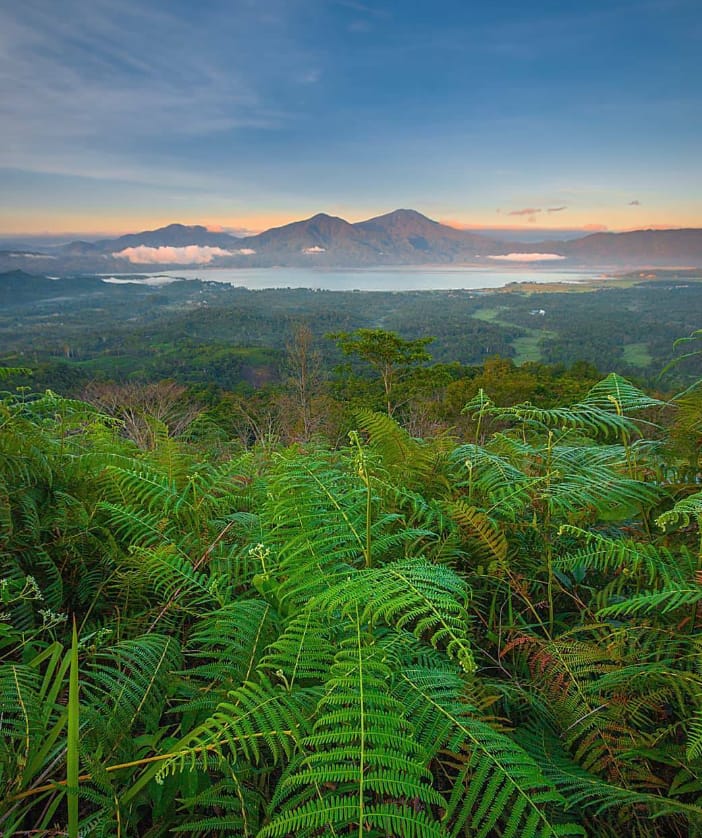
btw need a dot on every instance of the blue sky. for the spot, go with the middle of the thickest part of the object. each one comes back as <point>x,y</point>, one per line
<point>118,115</point>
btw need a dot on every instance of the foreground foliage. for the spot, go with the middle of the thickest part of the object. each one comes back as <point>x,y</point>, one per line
<point>497,636</point>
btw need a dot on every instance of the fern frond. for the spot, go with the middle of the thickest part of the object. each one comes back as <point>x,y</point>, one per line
<point>429,600</point>
<point>586,792</point>
<point>361,745</point>
<point>662,601</point>
<point>592,419</point>
<point>412,461</point>
<point>694,736</point>
<point>492,481</point>
<point>657,565</point>
<point>683,511</point>
<point>618,393</point>
<point>497,784</point>
<point>233,808</point>
<point>174,577</point>
<point>483,533</point>
<point>304,651</point>
<point>224,647</point>
<point>258,719</point>
<point>133,678</point>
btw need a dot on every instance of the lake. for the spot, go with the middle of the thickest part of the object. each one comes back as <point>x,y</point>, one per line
<point>375,279</point>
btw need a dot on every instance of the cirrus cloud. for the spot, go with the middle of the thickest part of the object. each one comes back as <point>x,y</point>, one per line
<point>528,257</point>
<point>192,254</point>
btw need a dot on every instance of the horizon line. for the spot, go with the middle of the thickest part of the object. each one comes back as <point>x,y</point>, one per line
<point>245,230</point>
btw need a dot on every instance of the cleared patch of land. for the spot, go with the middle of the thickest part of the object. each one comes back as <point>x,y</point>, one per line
<point>527,347</point>
<point>637,355</point>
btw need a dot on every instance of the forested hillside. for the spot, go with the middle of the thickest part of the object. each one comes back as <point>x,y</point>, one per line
<point>488,631</point>
<point>71,331</point>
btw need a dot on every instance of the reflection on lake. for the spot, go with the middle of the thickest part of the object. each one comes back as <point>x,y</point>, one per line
<point>388,279</point>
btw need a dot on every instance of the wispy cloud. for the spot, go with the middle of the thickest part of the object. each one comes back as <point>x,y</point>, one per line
<point>556,209</point>
<point>634,203</point>
<point>192,254</point>
<point>528,257</point>
<point>359,26</point>
<point>526,211</point>
<point>309,76</point>
<point>116,80</point>
<point>234,231</point>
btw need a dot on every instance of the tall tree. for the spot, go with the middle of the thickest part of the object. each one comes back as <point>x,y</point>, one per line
<point>303,365</point>
<point>393,357</point>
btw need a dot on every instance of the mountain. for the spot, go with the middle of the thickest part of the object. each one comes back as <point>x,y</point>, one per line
<point>655,248</point>
<point>20,287</point>
<point>401,237</point>
<point>409,234</point>
<point>174,235</point>
<point>321,239</point>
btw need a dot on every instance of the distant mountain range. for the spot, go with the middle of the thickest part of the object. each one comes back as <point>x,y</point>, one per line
<point>402,237</point>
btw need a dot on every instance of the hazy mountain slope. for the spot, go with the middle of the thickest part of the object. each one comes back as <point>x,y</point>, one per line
<point>401,237</point>
<point>640,247</point>
<point>408,234</point>
<point>322,239</point>
<point>174,235</point>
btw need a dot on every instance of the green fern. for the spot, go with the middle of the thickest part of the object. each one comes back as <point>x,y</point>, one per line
<point>496,784</point>
<point>594,797</point>
<point>428,600</point>
<point>362,746</point>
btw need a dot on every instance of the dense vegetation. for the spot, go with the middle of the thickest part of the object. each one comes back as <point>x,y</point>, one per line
<point>487,633</point>
<point>207,334</point>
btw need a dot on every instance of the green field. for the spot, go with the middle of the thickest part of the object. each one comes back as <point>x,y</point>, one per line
<point>527,347</point>
<point>637,355</point>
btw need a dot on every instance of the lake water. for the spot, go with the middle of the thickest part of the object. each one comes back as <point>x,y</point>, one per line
<point>376,279</point>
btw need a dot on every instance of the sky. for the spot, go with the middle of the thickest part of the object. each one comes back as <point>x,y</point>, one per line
<point>123,115</point>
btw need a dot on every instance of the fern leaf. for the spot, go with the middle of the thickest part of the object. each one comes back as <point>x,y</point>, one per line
<point>694,741</point>
<point>496,781</point>
<point>662,601</point>
<point>589,793</point>
<point>480,529</point>
<point>683,511</point>
<point>362,745</point>
<point>304,651</point>
<point>226,644</point>
<point>427,599</point>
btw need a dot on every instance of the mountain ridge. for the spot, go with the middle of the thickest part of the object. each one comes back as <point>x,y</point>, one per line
<point>399,237</point>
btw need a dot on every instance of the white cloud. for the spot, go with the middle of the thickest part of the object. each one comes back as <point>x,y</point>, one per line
<point>309,77</point>
<point>528,257</point>
<point>315,249</point>
<point>192,254</point>
<point>243,251</point>
<point>30,256</point>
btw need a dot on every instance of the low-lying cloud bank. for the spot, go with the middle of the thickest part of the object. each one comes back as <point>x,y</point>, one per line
<point>528,257</point>
<point>192,254</point>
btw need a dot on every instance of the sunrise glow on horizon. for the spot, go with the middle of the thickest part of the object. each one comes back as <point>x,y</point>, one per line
<point>91,227</point>
<point>244,116</point>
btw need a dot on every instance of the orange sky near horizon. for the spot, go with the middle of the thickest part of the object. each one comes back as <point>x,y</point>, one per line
<point>112,224</point>
<point>528,118</point>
